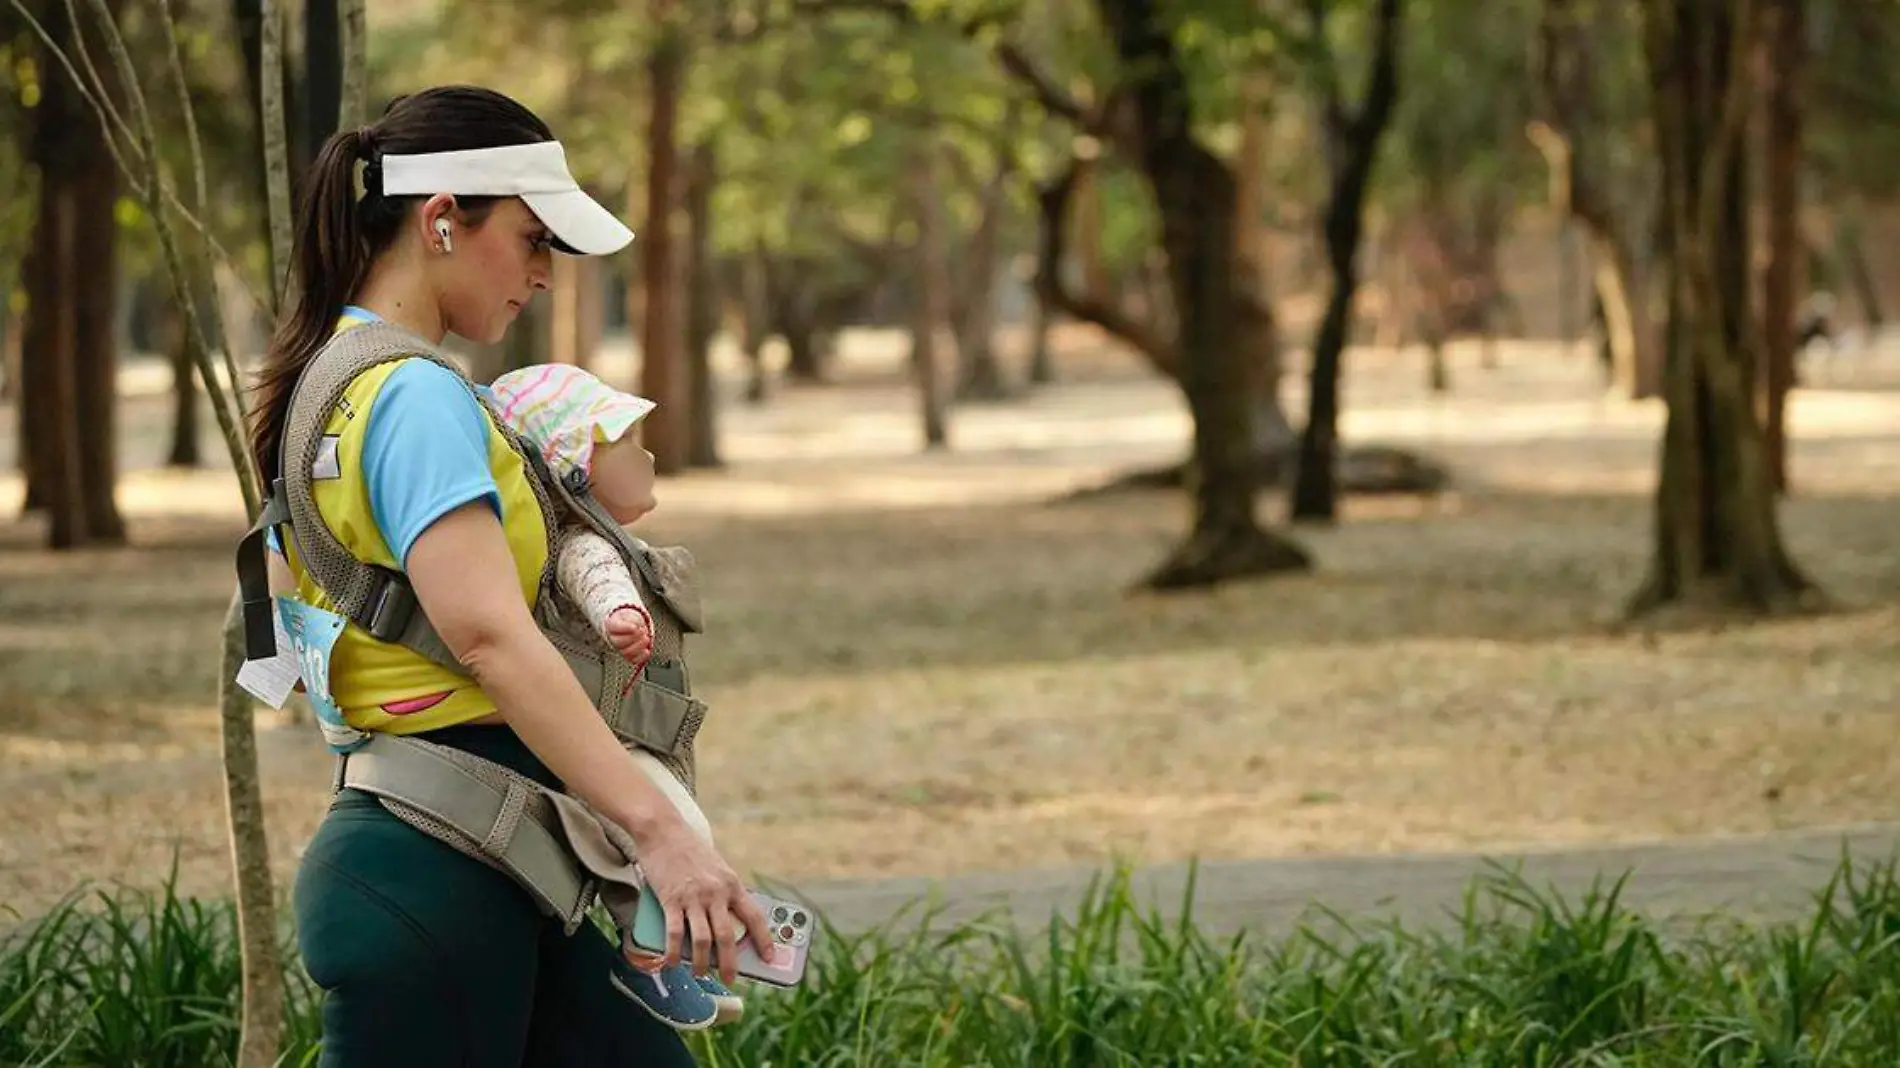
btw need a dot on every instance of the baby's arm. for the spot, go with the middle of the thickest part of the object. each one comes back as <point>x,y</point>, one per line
<point>593,576</point>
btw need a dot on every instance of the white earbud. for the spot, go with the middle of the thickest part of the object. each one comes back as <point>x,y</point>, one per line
<point>442,231</point>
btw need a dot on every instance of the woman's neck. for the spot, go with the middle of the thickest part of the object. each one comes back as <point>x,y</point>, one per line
<point>397,293</point>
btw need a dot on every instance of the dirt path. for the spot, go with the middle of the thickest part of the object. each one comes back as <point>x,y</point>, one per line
<point>1764,878</point>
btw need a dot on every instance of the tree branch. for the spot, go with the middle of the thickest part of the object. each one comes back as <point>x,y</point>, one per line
<point>1053,98</point>
<point>1053,200</point>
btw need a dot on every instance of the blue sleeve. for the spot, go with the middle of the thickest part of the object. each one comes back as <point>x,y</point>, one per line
<point>425,453</point>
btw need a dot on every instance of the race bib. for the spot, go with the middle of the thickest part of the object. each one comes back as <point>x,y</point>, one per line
<point>312,633</point>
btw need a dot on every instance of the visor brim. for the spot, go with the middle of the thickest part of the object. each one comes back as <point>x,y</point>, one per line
<point>581,226</point>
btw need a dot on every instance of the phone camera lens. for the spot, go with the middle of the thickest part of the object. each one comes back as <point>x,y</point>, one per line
<point>786,933</point>
<point>799,918</point>
<point>778,914</point>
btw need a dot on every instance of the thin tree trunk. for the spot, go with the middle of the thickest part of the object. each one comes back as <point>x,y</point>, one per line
<point>1042,365</point>
<point>261,1032</point>
<point>702,308</point>
<point>1629,331</point>
<point>1859,275</point>
<point>1274,437</point>
<point>663,372</point>
<point>1571,145</point>
<point>1354,145</point>
<point>564,310</point>
<point>756,323</point>
<point>1717,538</point>
<point>1787,44</point>
<point>184,451</point>
<point>930,328</point>
<point>1097,283</point>
<point>353,32</point>
<point>321,84</point>
<point>276,144</point>
<point>979,373</point>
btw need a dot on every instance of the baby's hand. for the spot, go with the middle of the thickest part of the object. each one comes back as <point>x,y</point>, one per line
<point>630,630</point>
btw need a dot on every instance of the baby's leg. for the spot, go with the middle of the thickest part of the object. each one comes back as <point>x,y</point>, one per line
<point>674,790</point>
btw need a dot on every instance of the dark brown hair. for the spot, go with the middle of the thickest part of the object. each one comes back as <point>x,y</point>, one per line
<point>339,236</point>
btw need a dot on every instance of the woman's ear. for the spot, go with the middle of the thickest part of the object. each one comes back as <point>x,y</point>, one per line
<point>436,211</point>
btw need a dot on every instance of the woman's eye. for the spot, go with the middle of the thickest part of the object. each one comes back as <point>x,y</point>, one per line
<point>540,242</point>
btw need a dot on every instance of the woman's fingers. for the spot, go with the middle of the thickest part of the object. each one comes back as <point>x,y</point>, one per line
<point>675,929</point>
<point>699,926</point>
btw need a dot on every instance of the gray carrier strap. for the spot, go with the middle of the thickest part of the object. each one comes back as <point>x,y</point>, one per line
<point>496,821</point>
<point>377,599</point>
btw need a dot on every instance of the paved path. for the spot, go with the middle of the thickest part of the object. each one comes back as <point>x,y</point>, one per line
<point>1769,877</point>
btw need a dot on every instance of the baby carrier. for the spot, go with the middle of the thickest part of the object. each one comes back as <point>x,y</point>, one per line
<point>551,843</point>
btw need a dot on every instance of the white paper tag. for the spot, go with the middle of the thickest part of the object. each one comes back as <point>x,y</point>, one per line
<point>327,465</point>
<point>271,680</point>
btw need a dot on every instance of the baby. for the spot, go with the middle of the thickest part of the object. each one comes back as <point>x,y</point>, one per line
<point>579,423</point>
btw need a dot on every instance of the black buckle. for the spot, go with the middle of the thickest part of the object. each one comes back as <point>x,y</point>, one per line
<point>576,482</point>
<point>391,606</point>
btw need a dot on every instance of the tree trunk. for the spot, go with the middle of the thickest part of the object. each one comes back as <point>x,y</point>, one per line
<point>1042,366</point>
<point>1195,197</point>
<point>979,374</point>
<point>1787,44</point>
<point>353,60</point>
<point>1717,538</point>
<point>261,1032</point>
<point>1097,283</point>
<point>1274,437</point>
<point>1571,145</point>
<point>1353,148</point>
<point>321,84</point>
<point>1859,275</point>
<point>663,372</point>
<point>276,134</point>
<point>930,327</point>
<point>702,309</point>
<point>184,450</point>
<point>1630,334</point>
<point>9,352</point>
<point>68,357</point>
<point>565,301</point>
<point>755,324</point>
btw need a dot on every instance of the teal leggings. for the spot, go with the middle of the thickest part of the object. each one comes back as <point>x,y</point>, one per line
<point>429,958</point>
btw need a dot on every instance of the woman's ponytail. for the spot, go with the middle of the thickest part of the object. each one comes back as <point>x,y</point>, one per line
<point>341,224</point>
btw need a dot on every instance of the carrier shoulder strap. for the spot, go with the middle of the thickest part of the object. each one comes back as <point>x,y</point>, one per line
<point>377,599</point>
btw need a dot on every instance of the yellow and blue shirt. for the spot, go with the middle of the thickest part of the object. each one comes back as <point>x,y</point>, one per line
<point>406,445</point>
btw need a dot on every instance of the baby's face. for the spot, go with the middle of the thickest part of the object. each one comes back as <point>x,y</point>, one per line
<point>623,479</point>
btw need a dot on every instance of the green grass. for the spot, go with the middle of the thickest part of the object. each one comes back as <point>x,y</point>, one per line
<point>1521,978</point>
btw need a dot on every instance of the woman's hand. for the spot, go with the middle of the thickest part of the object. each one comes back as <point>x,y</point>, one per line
<point>703,897</point>
<point>465,580</point>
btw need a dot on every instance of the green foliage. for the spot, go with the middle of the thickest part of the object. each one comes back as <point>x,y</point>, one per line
<point>1523,977</point>
<point>1853,126</point>
<point>1467,89</point>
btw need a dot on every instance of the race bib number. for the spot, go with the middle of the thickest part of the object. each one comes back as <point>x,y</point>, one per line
<point>312,633</point>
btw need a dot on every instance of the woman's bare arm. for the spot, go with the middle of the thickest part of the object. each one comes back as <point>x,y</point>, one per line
<point>464,578</point>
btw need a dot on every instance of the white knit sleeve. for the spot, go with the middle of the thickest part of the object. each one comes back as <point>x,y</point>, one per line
<point>593,576</point>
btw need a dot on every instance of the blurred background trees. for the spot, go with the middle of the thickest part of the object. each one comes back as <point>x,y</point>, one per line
<point>1238,191</point>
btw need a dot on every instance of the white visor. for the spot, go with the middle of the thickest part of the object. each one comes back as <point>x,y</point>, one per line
<point>537,173</point>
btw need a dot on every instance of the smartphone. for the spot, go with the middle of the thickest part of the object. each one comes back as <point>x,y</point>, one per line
<point>792,925</point>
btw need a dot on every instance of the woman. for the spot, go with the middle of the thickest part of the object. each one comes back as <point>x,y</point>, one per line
<point>442,217</point>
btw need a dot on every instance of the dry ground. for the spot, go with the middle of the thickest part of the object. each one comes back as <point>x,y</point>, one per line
<point>922,665</point>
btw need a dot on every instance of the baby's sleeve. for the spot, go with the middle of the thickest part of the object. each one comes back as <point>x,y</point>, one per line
<point>593,576</point>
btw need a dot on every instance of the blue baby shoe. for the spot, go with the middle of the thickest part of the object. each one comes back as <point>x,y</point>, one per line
<point>672,995</point>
